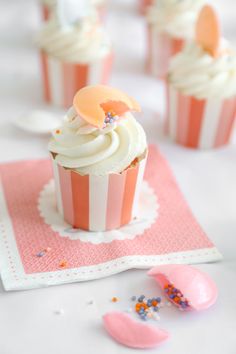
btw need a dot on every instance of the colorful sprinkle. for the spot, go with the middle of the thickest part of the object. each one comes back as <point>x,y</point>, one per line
<point>114,299</point>
<point>110,118</point>
<point>175,296</point>
<point>58,131</point>
<point>133,298</point>
<point>40,254</point>
<point>59,312</point>
<point>147,308</point>
<point>63,264</point>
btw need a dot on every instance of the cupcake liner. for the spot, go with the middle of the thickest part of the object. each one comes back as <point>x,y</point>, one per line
<point>45,12</point>
<point>143,5</point>
<point>98,203</point>
<point>161,47</point>
<point>61,80</point>
<point>200,124</point>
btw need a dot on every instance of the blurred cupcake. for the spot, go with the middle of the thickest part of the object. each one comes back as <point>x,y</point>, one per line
<point>99,157</point>
<point>202,88</point>
<point>75,52</point>
<point>170,24</point>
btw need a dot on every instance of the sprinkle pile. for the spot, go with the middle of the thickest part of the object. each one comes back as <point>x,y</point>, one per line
<point>111,117</point>
<point>176,296</point>
<point>147,308</point>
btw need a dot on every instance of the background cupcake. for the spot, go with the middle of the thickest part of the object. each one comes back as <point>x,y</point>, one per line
<point>170,24</point>
<point>75,52</point>
<point>202,88</point>
<point>99,158</point>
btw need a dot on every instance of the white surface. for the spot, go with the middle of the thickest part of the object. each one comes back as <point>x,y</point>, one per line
<point>28,324</point>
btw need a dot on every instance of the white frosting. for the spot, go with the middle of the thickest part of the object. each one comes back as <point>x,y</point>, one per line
<point>175,17</point>
<point>83,42</point>
<point>194,72</point>
<point>90,150</point>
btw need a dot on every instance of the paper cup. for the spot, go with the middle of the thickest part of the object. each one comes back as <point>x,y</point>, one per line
<point>62,80</point>
<point>45,12</point>
<point>143,5</point>
<point>199,124</point>
<point>98,203</point>
<point>160,48</point>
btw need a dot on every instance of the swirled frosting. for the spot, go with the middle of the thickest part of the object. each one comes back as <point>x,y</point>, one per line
<point>83,42</point>
<point>90,150</point>
<point>195,72</point>
<point>175,17</point>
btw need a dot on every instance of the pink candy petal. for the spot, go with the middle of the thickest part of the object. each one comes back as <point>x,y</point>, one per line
<point>121,327</point>
<point>197,287</point>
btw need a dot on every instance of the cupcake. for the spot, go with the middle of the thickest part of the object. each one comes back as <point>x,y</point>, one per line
<point>169,24</point>
<point>202,88</point>
<point>99,157</point>
<point>75,52</point>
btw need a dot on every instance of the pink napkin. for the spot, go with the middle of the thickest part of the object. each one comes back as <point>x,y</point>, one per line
<point>38,249</point>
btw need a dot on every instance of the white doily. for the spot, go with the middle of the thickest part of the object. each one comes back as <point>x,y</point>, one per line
<point>148,213</point>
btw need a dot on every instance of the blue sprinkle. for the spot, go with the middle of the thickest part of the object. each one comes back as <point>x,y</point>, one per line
<point>40,254</point>
<point>166,290</point>
<point>141,298</point>
<point>172,296</point>
<point>158,299</point>
<point>149,302</point>
<point>155,308</point>
<point>133,298</point>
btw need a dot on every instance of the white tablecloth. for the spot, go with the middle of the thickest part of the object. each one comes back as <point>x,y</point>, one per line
<point>28,324</point>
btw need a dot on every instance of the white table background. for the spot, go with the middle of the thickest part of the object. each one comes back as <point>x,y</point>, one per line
<point>28,324</point>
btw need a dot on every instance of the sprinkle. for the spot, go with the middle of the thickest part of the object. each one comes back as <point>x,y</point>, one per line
<point>176,296</point>
<point>59,312</point>
<point>58,131</point>
<point>141,298</point>
<point>90,302</point>
<point>40,254</point>
<point>63,264</point>
<point>133,298</point>
<point>114,299</point>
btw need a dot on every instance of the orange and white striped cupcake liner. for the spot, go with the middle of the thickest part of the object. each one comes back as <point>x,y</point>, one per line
<point>199,124</point>
<point>98,203</point>
<point>61,80</point>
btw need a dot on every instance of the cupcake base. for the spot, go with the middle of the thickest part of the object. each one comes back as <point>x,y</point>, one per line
<point>98,203</point>
<point>62,80</point>
<point>199,124</point>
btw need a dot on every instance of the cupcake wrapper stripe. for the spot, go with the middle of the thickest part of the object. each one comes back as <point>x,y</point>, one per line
<point>203,124</point>
<point>143,5</point>
<point>98,203</point>
<point>62,80</point>
<point>45,10</point>
<point>161,47</point>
